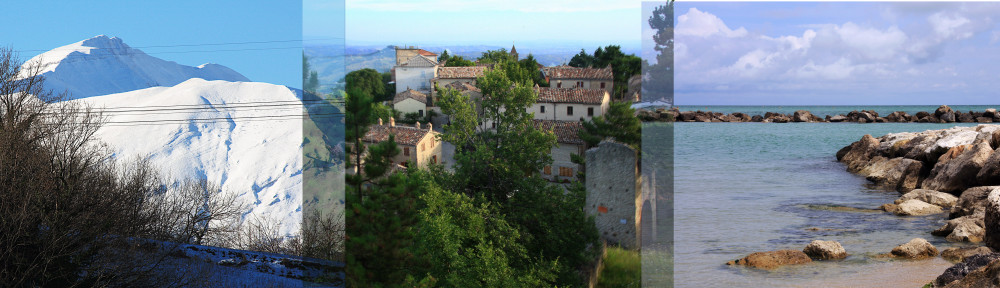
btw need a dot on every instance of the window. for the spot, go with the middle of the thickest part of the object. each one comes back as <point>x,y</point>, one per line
<point>558,84</point>
<point>590,111</point>
<point>565,172</point>
<point>420,113</point>
<point>579,84</point>
<point>547,170</point>
<point>434,159</point>
<point>406,151</point>
<point>494,125</point>
<point>543,109</point>
<point>569,110</point>
<point>602,85</point>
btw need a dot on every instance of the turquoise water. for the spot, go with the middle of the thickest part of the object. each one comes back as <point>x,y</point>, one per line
<point>749,187</point>
<point>822,111</point>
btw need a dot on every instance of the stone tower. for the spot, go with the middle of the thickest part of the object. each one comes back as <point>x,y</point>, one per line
<point>513,52</point>
<point>613,193</point>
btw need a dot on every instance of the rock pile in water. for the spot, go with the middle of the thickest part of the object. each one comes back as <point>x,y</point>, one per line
<point>943,114</point>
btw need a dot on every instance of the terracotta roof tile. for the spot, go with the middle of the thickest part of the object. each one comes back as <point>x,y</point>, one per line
<point>471,72</point>
<point>410,93</point>
<point>566,131</point>
<point>405,135</point>
<point>462,87</point>
<point>568,72</point>
<point>571,95</point>
<point>426,53</point>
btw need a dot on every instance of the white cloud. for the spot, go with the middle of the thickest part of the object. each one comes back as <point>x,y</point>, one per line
<point>698,23</point>
<point>950,26</point>
<point>872,43</point>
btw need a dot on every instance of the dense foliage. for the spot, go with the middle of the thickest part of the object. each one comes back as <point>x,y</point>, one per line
<point>623,66</point>
<point>660,75</point>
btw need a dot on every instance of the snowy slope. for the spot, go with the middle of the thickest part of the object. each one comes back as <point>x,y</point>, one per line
<point>258,159</point>
<point>103,65</point>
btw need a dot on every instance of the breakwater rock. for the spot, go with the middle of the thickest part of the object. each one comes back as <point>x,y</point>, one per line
<point>950,170</point>
<point>942,114</point>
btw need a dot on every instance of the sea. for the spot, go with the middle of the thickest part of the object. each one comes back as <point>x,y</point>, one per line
<point>823,111</point>
<point>740,188</point>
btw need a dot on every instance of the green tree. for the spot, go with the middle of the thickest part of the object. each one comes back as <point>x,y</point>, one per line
<point>495,56</point>
<point>531,67</point>
<point>382,206</point>
<point>619,123</point>
<point>310,79</point>
<point>458,61</point>
<point>368,81</point>
<point>470,245</point>
<point>443,57</point>
<point>499,167</point>
<point>582,59</point>
<point>660,75</point>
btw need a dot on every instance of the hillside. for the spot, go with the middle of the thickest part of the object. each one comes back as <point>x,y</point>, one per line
<point>243,148</point>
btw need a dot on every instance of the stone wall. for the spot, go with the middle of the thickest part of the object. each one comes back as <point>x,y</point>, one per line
<point>614,194</point>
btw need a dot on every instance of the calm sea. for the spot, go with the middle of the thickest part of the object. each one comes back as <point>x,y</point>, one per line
<point>747,187</point>
<point>822,111</point>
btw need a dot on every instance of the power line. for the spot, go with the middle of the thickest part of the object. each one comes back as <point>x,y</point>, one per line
<point>219,120</point>
<point>209,106</point>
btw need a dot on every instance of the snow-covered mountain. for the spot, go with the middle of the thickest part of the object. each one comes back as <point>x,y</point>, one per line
<point>244,148</point>
<point>103,65</point>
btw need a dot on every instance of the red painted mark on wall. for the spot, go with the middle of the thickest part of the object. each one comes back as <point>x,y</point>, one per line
<point>602,209</point>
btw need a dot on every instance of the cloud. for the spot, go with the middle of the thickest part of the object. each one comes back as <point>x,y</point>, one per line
<point>921,49</point>
<point>697,23</point>
<point>549,6</point>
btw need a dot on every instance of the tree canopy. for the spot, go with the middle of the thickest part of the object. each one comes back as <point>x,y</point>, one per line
<point>623,66</point>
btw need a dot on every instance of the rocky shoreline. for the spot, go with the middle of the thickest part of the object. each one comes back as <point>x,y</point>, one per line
<point>954,171</point>
<point>942,114</point>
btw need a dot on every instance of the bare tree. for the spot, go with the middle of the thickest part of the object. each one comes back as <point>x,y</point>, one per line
<point>198,212</point>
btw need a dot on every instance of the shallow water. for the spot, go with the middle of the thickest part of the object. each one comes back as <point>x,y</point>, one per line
<point>749,187</point>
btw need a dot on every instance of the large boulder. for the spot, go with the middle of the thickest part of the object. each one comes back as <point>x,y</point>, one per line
<point>825,250</point>
<point>991,221</point>
<point>858,154</point>
<point>959,254</point>
<point>990,173</point>
<point>957,174</point>
<point>802,116</point>
<point>941,110</point>
<point>918,248</point>
<point>837,118</point>
<point>912,207</point>
<point>974,271</point>
<point>962,229</point>
<point>942,199</point>
<point>772,259</point>
<point>972,202</point>
<point>897,173</point>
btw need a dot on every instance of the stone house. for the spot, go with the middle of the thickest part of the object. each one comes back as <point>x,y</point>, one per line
<point>415,73</point>
<point>404,54</point>
<point>586,78</point>
<point>455,75</point>
<point>568,142</point>
<point>410,101</point>
<point>418,145</point>
<point>570,104</point>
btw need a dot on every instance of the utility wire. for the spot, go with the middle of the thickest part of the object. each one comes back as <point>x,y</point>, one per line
<point>196,45</point>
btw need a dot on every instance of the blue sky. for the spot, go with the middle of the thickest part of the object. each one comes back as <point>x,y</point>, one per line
<point>491,22</point>
<point>44,25</point>
<point>824,53</point>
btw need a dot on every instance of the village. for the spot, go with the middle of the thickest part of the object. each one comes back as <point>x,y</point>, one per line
<point>576,95</point>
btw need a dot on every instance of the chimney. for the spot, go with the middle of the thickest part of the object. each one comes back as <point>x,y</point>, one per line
<point>430,126</point>
<point>392,122</point>
<point>380,122</point>
<point>418,125</point>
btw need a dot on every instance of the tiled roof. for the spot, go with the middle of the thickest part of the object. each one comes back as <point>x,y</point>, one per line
<point>426,53</point>
<point>462,86</point>
<point>566,131</point>
<point>410,93</point>
<point>461,72</point>
<point>420,61</point>
<point>568,72</point>
<point>571,95</point>
<point>405,135</point>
